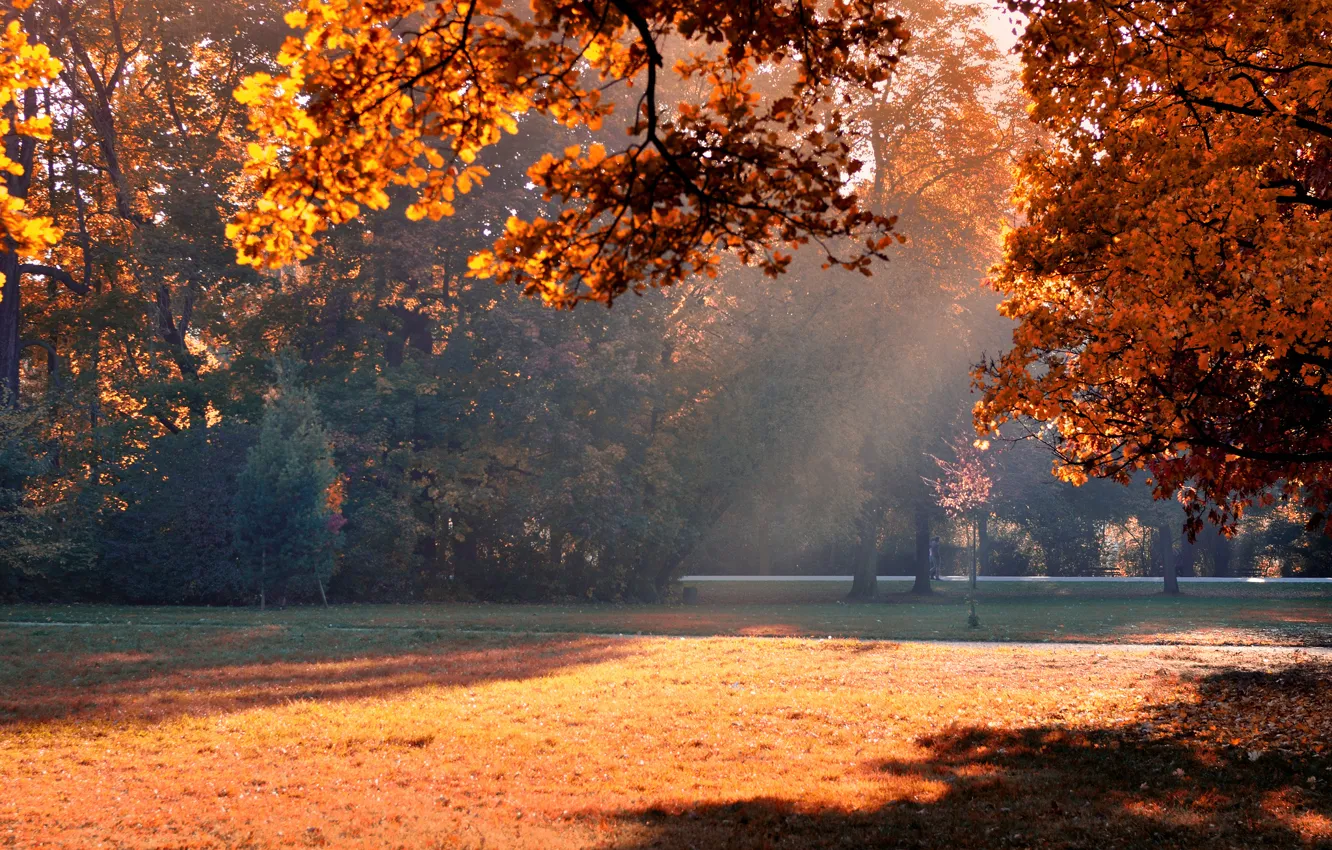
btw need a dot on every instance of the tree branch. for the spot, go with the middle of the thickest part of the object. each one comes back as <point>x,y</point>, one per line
<point>1252,112</point>
<point>58,275</point>
<point>52,359</point>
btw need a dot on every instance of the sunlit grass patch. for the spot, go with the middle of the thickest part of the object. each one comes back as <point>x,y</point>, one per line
<point>404,738</point>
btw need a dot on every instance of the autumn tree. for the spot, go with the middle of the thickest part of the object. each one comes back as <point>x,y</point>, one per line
<point>137,169</point>
<point>1170,279</point>
<point>25,68</point>
<point>963,489</point>
<point>29,539</point>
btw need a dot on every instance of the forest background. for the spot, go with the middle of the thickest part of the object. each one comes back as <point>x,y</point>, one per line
<point>372,424</point>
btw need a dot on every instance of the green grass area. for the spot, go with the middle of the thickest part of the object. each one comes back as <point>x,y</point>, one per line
<point>789,592</point>
<point>1019,612</point>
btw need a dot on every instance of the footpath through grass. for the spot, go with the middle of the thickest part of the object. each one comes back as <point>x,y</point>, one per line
<point>1298,615</point>
<point>277,730</point>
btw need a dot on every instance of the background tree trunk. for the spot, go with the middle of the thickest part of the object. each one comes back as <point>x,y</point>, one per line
<point>764,550</point>
<point>20,150</point>
<point>555,555</point>
<point>1165,556</point>
<point>1188,556</point>
<point>983,543</point>
<point>865,582</point>
<point>9,327</point>
<point>1221,552</point>
<point>922,584</point>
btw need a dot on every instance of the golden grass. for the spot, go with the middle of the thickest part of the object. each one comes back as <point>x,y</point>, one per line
<point>256,738</point>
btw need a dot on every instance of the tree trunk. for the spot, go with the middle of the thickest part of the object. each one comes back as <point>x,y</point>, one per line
<point>983,542</point>
<point>971,577</point>
<point>973,535</point>
<point>10,302</point>
<point>467,566</point>
<point>764,550</point>
<point>922,584</point>
<point>322,595</point>
<point>19,149</point>
<point>865,582</point>
<point>1167,560</point>
<point>263,566</point>
<point>661,579</point>
<point>1188,554</point>
<point>94,375</point>
<point>556,553</point>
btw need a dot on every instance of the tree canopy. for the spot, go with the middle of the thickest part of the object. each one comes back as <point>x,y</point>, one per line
<point>466,441</point>
<point>409,93</point>
<point>1170,278</point>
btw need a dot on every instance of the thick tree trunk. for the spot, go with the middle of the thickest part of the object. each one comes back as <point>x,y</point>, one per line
<point>1221,555</point>
<point>922,584</point>
<point>1188,555</point>
<point>1166,559</point>
<point>865,581</point>
<point>19,149</point>
<point>466,560</point>
<point>661,580</point>
<point>1171,579</point>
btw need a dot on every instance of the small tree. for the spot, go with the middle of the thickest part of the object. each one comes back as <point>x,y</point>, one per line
<point>44,541</point>
<point>963,491</point>
<point>286,507</point>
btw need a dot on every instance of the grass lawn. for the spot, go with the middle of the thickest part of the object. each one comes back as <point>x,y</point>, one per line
<point>277,731</point>
<point>1298,615</point>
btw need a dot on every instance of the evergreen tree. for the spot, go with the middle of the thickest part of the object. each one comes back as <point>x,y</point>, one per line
<point>45,550</point>
<point>285,512</point>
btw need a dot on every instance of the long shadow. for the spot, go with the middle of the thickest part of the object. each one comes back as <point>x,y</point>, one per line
<point>1165,783</point>
<point>149,677</point>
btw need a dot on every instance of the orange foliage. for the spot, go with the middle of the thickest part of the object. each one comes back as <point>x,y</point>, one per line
<point>605,742</point>
<point>384,93</point>
<point>24,68</point>
<point>1170,282</point>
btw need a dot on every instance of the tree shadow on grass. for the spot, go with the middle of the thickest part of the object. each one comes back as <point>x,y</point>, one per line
<point>1171,782</point>
<point>150,678</point>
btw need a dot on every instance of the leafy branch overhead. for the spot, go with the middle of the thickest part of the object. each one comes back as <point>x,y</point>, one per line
<point>380,94</point>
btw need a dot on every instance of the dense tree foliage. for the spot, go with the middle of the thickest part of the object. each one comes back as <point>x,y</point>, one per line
<point>287,499</point>
<point>1170,279</point>
<point>384,93</point>
<point>431,435</point>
